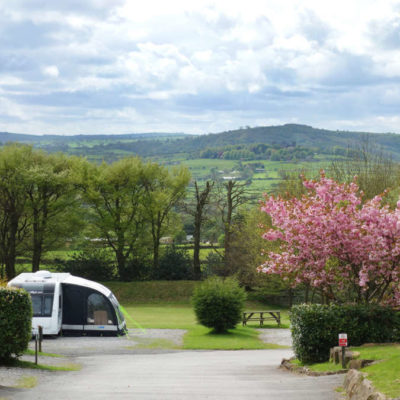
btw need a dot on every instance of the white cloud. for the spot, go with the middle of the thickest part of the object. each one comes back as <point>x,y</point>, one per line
<point>51,71</point>
<point>197,66</point>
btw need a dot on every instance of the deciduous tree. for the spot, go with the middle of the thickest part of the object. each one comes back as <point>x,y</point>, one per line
<point>331,240</point>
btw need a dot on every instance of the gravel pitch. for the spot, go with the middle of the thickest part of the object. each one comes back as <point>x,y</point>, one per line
<point>137,341</point>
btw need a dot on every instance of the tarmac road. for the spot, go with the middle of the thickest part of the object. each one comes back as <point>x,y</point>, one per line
<point>182,375</point>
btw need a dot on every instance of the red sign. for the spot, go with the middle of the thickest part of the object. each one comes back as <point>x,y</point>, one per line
<point>343,339</point>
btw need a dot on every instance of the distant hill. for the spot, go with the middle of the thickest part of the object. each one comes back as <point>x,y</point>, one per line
<point>6,137</point>
<point>110,147</point>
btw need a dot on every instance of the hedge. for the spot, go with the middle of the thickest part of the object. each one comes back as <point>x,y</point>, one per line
<point>219,303</point>
<point>15,322</point>
<point>315,328</point>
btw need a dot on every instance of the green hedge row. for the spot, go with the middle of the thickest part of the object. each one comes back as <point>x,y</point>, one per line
<point>315,328</point>
<point>15,322</point>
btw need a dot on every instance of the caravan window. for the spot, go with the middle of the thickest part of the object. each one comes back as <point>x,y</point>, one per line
<point>99,310</point>
<point>115,303</point>
<point>42,305</point>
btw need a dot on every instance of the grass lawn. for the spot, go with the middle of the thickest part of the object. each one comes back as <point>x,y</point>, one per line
<point>241,338</point>
<point>385,375</point>
<point>181,316</point>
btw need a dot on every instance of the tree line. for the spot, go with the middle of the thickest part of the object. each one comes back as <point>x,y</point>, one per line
<point>127,207</point>
<point>46,199</point>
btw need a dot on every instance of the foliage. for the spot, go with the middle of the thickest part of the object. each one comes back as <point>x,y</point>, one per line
<point>175,264</point>
<point>315,328</point>
<point>247,247</point>
<point>38,202</point>
<point>115,195</point>
<point>136,268</point>
<point>214,265</point>
<point>15,322</point>
<point>91,263</point>
<point>376,171</point>
<point>219,303</point>
<point>15,160</point>
<point>163,190</point>
<point>328,239</point>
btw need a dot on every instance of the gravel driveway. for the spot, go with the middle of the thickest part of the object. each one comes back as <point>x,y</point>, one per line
<point>119,368</point>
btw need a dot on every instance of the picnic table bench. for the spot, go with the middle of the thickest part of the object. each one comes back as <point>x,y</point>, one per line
<point>262,316</point>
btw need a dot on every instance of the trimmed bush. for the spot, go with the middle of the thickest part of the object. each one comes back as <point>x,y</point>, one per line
<point>315,328</point>
<point>219,303</point>
<point>15,322</point>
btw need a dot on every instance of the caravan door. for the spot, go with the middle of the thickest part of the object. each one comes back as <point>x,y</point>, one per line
<point>73,307</point>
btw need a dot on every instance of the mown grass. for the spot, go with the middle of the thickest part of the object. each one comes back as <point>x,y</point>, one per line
<point>241,338</point>
<point>160,316</point>
<point>384,375</point>
<point>157,292</point>
<point>31,365</point>
<point>182,316</point>
<point>32,353</point>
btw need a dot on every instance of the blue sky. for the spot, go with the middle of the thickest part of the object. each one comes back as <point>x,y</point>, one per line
<point>121,66</point>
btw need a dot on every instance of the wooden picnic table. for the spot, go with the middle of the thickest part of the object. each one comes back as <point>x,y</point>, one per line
<point>262,316</point>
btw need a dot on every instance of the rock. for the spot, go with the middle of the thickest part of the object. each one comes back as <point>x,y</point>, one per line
<point>358,364</point>
<point>359,388</point>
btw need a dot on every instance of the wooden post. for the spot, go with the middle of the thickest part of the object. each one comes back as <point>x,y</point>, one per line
<point>40,337</point>
<point>343,357</point>
<point>36,348</point>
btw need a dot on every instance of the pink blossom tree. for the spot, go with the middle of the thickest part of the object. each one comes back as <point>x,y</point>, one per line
<point>330,240</point>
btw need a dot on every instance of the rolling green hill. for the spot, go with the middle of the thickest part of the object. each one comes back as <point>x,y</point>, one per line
<point>254,155</point>
<point>164,144</point>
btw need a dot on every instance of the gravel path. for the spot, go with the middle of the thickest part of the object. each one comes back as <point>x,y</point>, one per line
<point>183,375</point>
<point>137,366</point>
<point>277,336</point>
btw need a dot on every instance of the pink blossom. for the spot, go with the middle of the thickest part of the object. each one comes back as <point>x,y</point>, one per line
<point>330,240</point>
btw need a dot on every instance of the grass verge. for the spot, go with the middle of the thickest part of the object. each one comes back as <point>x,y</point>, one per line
<point>181,316</point>
<point>32,353</point>
<point>31,365</point>
<point>384,375</point>
<point>320,367</point>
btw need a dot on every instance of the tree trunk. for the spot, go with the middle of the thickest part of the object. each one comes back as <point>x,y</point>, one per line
<point>37,245</point>
<point>11,251</point>
<point>156,232</point>
<point>121,261</point>
<point>196,248</point>
<point>228,223</point>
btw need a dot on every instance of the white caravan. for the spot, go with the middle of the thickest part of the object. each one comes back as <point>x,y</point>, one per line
<point>63,302</point>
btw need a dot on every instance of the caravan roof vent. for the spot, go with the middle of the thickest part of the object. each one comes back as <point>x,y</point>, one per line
<point>43,274</point>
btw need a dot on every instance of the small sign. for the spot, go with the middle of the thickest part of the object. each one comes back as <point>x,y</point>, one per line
<point>343,339</point>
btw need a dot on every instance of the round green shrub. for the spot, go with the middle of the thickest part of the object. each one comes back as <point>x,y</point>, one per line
<point>15,322</point>
<point>219,303</point>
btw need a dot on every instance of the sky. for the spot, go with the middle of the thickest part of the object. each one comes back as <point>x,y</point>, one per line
<point>125,66</point>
